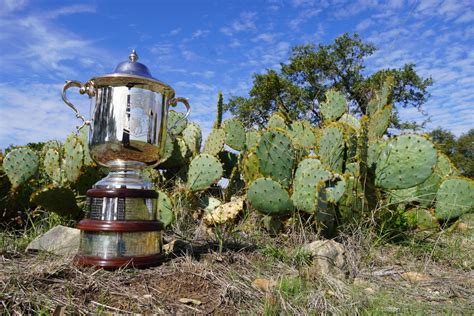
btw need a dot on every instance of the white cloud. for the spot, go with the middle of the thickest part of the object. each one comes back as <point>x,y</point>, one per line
<point>10,6</point>
<point>35,44</point>
<point>35,112</point>
<point>200,33</point>
<point>364,24</point>
<point>245,22</point>
<point>175,31</point>
<point>265,37</point>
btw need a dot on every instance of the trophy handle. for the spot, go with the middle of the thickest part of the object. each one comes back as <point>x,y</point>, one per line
<point>83,88</point>
<point>174,102</point>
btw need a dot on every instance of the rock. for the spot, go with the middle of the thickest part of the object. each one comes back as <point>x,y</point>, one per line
<point>60,240</point>
<point>328,257</point>
<point>263,284</point>
<point>415,276</point>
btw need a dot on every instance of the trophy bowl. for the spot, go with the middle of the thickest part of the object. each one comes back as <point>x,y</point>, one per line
<point>127,132</point>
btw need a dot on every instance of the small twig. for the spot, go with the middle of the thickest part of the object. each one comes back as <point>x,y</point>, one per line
<point>110,307</point>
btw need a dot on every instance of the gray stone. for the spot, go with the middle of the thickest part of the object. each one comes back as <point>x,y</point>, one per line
<point>60,240</point>
<point>328,257</point>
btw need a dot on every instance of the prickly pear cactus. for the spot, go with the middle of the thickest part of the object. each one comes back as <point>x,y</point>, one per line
<point>192,136</point>
<point>334,188</point>
<point>229,161</point>
<point>20,164</point>
<point>52,165</point>
<point>334,106</point>
<point>220,110</point>
<point>165,209</point>
<point>426,191</point>
<point>204,171</point>
<point>83,135</point>
<point>250,167</point>
<point>381,97</point>
<point>350,120</point>
<point>267,196</point>
<point>331,147</point>
<point>276,156</point>
<point>234,134</point>
<point>454,198</point>
<point>374,151</point>
<point>176,124</point>
<point>277,121</point>
<point>73,158</point>
<point>379,123</point>
<point>215,142</point>
<point>308,174</point>
<point>251,140</point>
<point>59,200</point>
<point>302,135</point>
<point>406,161</point>
<point>420,218</point>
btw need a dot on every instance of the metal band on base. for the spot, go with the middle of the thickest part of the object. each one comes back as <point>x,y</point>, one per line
<point>119,262</point>
<point>119,226</point>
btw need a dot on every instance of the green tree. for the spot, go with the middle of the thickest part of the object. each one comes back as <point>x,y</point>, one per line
<point>311,70</point>
<point>445,141</point>
<point>460,151</point>
<point>463,157</point>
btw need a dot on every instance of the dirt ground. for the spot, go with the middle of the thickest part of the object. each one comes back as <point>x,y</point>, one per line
<point>429,275</point>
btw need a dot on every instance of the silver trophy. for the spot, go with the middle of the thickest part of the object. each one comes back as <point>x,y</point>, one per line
<point>127,132</point>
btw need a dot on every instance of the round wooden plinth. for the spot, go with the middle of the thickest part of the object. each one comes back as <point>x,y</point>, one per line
<point>138,262</point>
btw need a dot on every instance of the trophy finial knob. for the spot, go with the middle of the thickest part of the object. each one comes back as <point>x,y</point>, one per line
<point>133,56</point>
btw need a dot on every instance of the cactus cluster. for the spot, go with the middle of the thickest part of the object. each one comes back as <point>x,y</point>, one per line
<point>332,173</point>
<point>61,173</point>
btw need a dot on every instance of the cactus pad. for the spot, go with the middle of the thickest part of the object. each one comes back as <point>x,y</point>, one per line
<point>302,135</point>
<point>167,149</point>
<point>334,188</point>
<point>277,120</point>
<point>73,158</point>
<point>20,164</point>
<point>426,191</point>
<point>251,139</point>
<point>192,136</point>
<point>406,161</point>
<point>381,96</point>
<point>165,209</point>
<point>176,124</point>
<point>268,197</point>
<point>334,106</point>
<point>350,120</point>
<point>204,171</point>
<point>229,161</point>
<point>59,200</point>
<point>234,134</point>
<point>83,135</point>
<point>331,147</point>
<point>224,213</point>
<point>215,142</point>
<point>52,165</point>
<point>454,198</point>
<point>420,218</point>
<point>250,167</point>
<point>374,151</point>
<point>379,123</point>
<point>309,172</point>
<point>276,156</point>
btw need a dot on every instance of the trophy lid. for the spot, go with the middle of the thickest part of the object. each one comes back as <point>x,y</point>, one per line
<point>132,72</point>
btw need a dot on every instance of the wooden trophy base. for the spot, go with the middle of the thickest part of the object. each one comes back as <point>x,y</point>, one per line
<point>121,242</point>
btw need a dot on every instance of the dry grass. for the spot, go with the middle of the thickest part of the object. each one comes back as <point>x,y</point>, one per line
<point>221,283</point>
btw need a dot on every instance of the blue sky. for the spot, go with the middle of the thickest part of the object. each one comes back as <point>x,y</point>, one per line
<point>201,47</point>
